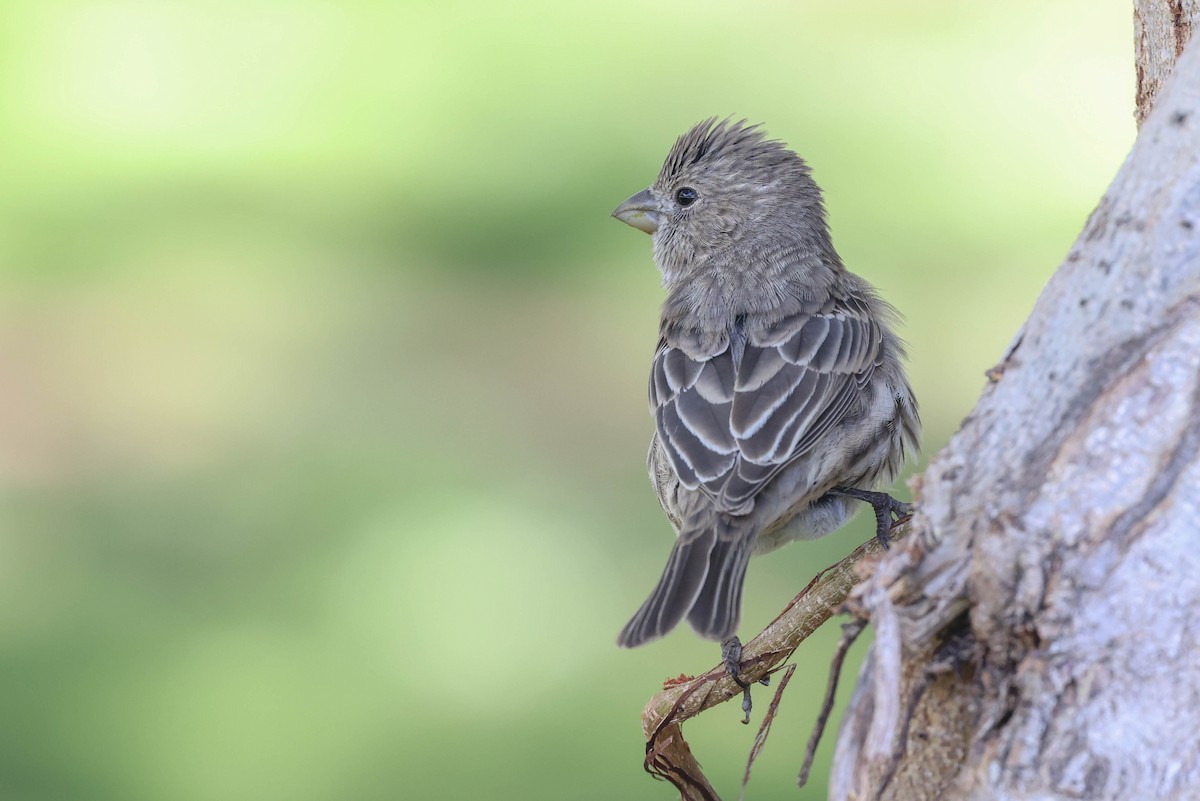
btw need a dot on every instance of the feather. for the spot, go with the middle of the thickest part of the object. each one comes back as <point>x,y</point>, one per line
<point>717,608</point>
<point>675,593</point>
<point>769,408</point>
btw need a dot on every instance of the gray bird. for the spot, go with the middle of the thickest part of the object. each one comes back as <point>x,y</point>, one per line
<point>778,391</point>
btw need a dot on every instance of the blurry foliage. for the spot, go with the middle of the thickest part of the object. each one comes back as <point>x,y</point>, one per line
<point>323,367</point>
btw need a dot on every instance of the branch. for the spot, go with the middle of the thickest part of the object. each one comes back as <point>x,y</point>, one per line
<point>667,753</point>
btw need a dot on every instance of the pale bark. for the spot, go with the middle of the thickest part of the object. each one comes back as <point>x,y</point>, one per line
<point>1161,28</point>
<point>1038,633</point>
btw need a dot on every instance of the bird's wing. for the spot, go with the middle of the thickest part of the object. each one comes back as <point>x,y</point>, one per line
<point>730,421</point>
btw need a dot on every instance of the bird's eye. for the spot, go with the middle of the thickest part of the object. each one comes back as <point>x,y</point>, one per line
<point>686,196</point>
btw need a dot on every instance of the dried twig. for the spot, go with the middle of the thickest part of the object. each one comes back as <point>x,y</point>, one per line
<point>667,753</point>
<point>850,632</point>
<point>760,739</point>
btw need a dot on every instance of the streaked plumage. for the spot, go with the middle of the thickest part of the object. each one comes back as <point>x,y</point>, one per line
<point>777,376</point>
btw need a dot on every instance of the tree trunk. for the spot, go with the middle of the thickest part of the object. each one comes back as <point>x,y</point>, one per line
<point>1038,632</point>
<point>1161,28</point>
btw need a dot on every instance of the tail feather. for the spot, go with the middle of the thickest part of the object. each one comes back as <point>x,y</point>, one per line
<point>718,607</point>
<point>681,581</point>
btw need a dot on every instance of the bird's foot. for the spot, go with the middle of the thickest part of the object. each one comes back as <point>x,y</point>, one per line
<point>731,657</point>
<point>885,507</point>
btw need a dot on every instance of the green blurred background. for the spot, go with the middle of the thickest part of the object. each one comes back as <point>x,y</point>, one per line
<point>322,365</point>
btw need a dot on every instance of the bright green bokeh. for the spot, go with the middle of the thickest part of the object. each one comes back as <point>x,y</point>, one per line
<point>323,366</point>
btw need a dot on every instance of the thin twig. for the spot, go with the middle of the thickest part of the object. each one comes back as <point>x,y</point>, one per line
<point>850,632</point>
<point>760,739</point>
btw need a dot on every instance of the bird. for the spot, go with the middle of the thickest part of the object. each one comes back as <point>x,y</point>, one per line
<point>777,388</point>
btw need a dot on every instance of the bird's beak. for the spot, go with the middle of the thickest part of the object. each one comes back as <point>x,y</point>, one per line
<point>641,211</point>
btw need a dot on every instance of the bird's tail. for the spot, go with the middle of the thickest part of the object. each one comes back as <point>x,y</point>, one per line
<point>718,607</point>
<point>702,581</point>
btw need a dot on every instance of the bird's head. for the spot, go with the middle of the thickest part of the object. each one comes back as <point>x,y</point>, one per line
<point>723,183</point>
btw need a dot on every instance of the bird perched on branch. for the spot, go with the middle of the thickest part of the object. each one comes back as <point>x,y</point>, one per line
<point>778,391</point>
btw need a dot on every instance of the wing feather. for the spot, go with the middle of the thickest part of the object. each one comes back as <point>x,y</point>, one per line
<point>808,336</point>
<point>826,357</point>
<point>715,382</point>
<point>679,370</point>
<point>759,365</point>
<point>753,408</point>
<point>730,419</point>
<point>805,402</point>
<point>709,422</point>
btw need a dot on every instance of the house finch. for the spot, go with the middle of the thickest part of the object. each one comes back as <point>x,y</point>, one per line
<point>779,398</point>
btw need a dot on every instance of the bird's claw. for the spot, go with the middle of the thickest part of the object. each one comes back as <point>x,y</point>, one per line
<point>731,657</point>
<point>884,506</point>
